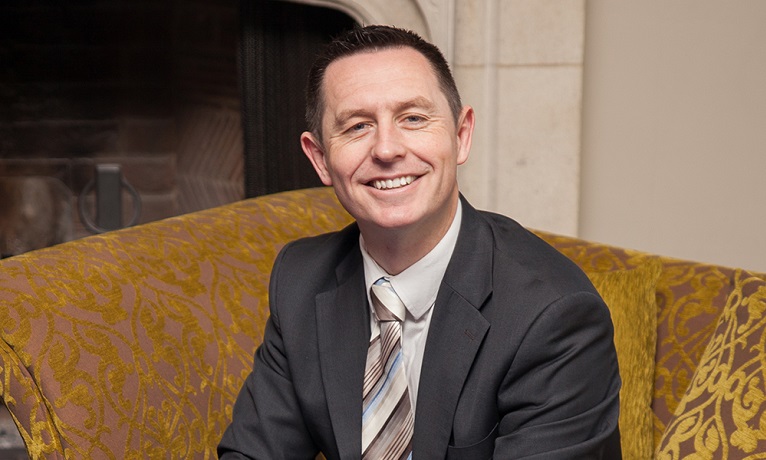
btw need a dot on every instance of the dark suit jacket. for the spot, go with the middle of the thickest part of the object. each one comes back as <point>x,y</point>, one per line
<point>519,360</point>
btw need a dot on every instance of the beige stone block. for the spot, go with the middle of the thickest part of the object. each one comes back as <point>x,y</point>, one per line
<point>470,32</point>
<point>538,158</point>
<point>541,31</point>
<point>475,175</point>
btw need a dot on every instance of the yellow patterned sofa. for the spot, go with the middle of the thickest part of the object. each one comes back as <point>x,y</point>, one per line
<point>133,344</point>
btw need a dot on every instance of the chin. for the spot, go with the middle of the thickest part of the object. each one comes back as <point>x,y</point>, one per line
<point>393,221</point>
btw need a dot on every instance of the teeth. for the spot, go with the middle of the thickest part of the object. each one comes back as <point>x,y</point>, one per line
<point>393,183</point>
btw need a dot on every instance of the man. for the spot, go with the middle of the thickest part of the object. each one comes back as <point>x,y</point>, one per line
<point>499,347</point>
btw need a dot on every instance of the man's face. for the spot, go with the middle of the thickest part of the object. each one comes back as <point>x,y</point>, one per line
<point>390,145</point>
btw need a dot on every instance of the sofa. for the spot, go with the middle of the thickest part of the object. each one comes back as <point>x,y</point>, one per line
<point>134,343</point>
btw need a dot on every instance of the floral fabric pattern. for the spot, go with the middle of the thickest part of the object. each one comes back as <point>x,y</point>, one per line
<point>722,414</point>
<point>135,343</point>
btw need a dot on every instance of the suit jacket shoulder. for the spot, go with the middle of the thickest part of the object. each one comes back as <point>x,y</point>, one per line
<point>519,359</point>
<point>316,257</point>
<point>517,246</point>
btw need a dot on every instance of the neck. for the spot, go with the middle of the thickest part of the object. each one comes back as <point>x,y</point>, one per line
<point>395,250</point>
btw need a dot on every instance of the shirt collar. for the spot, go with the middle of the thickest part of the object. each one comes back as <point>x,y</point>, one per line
<point>418,285</point>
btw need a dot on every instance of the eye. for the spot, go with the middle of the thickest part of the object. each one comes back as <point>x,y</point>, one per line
<point>414,121</point>
<point>357,128</point>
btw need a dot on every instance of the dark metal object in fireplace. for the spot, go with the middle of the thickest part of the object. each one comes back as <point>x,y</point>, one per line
<point>109,184</point>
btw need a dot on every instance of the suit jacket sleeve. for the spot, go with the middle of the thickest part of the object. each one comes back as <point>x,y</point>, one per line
<point>267,421</point>
<point>560,398</point>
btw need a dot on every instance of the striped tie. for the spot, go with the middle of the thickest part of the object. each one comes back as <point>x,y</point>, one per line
<point>387,419</point>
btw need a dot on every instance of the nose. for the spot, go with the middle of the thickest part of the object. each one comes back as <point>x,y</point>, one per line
<point>389,143</point>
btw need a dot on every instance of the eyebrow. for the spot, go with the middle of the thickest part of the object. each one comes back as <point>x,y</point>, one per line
<point>418,101</point>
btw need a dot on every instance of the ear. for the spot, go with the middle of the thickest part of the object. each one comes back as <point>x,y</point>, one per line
<point>313,149</point>
<point>465,127</point>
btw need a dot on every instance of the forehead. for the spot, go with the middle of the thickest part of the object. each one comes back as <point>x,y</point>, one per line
<point>395,55</point>
<point>378,73</point>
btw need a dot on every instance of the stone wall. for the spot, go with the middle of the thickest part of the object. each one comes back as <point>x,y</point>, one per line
<point>520,64</point>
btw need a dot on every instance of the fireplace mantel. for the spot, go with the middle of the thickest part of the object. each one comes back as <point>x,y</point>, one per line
<point>433,19</point>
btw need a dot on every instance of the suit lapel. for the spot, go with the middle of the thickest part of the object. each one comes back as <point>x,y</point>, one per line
<point>343,336</point>
<point>455,335</point>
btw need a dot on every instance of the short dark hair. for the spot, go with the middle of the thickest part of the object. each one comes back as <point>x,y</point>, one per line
<point>367,39</point>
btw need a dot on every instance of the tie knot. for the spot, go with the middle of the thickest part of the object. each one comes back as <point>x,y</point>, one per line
<point>388,306</point>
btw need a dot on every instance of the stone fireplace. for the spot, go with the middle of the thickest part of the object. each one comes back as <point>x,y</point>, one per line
<point>156,88</point>
<point>149,86</point>
<point>152,88</point>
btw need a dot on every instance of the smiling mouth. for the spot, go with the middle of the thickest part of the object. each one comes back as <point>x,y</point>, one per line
<point>393,183</point>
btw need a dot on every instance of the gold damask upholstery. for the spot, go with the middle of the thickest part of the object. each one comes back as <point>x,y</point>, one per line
<point>135,343</point>
<point>722,414</point>
<point>630,296</point>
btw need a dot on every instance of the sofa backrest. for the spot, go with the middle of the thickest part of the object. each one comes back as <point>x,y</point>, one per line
<point>689,299</point>
<point>135,343</point>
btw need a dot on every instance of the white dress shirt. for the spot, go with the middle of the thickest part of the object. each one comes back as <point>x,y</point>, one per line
<point>417,286</point>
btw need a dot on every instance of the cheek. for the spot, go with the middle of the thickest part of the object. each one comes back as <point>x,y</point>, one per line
<point>339,172</point>
<point>437,152</point>
<point>347,163</point>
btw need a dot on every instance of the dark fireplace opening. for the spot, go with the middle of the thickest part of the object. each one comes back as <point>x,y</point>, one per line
<point>197,103</point>
<point>279,43</point>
